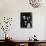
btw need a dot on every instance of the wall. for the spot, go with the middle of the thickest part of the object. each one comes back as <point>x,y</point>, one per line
<point>13,8</point>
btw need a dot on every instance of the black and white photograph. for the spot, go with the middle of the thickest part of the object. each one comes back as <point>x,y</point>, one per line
<point>26,20</point>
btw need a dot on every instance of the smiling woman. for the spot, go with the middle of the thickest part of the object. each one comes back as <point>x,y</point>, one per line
<point>36,3</point>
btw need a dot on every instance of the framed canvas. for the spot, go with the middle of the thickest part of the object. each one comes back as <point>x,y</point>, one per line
<point>26,20</point>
